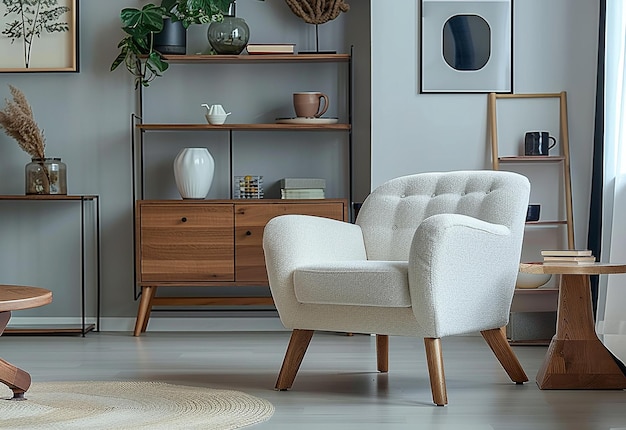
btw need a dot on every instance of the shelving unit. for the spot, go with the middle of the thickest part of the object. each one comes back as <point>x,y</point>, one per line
<point>217,242</point>
<point>541,299</point>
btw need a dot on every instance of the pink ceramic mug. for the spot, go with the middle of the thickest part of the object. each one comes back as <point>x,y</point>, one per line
<point>308,104</point>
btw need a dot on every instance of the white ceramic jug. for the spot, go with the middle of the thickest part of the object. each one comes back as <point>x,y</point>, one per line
<point>215,109</point>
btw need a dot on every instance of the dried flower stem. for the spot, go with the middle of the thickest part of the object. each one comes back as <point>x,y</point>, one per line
<point>18,122</point>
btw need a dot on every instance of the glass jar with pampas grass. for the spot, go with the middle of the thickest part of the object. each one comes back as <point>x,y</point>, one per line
<point>44,175</point>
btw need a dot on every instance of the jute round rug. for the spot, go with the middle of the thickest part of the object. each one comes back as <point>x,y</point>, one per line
<point>98,405</point>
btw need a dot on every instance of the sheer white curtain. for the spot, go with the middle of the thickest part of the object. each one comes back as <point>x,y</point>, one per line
<point>612,303</point>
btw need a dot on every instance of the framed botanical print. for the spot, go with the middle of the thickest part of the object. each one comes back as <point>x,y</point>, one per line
<point>39,36</point>
<point>466,46</point>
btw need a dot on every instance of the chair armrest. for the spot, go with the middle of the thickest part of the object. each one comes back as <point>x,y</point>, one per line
<point>462,274</point>
<point>290,241</point>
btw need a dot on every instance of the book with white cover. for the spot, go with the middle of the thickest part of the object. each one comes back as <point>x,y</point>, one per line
<point>566,252</point>
<point>302,183</point>
<point>302,193</point>
<point>270,48</point>
<point>568,263</point>
<point>584,259</point>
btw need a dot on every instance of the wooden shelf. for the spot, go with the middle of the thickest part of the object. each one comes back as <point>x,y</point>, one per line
<point>222,246</point>
<point>523,291</point>
<point>246,127</point>
<point>563,157</point>
<point>532,158</point>
<point>545,223</point>
<point>538,299</point>
<point>279,58</point>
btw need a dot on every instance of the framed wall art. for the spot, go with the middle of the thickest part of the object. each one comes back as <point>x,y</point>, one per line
<point>466,46</point>
<point>39,36</point>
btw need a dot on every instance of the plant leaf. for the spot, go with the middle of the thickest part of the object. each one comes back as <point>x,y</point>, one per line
<point>148,19</point>
<point>154,59</point>
<point>120,58</point>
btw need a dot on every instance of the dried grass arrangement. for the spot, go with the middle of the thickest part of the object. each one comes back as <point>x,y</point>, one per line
<point>18,122</point>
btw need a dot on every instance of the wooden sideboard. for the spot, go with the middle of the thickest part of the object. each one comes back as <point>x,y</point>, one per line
<point>209,243</point>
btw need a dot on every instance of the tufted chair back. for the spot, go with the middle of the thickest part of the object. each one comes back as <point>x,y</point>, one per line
<point>393,211</point>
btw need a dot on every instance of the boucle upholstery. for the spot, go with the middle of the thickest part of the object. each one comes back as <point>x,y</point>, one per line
<point>460,234</point>
<point>430,255</point>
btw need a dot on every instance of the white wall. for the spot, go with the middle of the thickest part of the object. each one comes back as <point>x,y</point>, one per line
<point>555,49</point>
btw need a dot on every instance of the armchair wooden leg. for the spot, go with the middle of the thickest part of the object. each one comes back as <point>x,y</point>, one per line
<point>496,339</point>
<point>382,352</point>
<point>298,344</point>
<point>434,358</point>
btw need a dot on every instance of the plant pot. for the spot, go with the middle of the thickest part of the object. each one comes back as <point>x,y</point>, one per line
<point>172,40</point>
<point>193,171</point>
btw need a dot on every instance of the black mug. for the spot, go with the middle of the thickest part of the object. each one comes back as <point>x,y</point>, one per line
<point>538,143</point>
<point>532,214</point>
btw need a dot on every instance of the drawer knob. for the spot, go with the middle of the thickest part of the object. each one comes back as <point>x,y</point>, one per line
<point>248,233</point>
<point>184,219</point>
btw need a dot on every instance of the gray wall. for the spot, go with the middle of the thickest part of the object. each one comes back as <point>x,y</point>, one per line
<point>86,118</point>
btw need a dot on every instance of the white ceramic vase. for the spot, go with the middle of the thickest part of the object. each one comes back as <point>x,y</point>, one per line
<point>193,172</point>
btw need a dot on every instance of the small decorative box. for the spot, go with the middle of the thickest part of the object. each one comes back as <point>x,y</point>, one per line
<point>248,187</point>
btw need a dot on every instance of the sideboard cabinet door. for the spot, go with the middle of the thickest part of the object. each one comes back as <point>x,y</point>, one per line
<point>250,220</point>
<point>185,242</point>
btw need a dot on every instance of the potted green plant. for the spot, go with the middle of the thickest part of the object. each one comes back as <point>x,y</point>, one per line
<point>137,51</point>
<point>195,11</point>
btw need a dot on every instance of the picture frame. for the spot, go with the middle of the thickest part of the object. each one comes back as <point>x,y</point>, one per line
<point>53,48</point>
<point>466,46</point>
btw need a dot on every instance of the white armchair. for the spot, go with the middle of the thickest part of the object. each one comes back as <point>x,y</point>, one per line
<point>430,255</point>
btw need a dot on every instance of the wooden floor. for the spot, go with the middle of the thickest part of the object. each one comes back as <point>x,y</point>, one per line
<point>337,386</point>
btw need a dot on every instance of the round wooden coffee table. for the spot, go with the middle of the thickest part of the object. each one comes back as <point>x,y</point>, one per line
<point>13,298</point>
<point>576,358</point>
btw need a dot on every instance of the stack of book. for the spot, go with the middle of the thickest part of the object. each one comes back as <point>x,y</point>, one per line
<point>302,188</point>
<point>568,257</point>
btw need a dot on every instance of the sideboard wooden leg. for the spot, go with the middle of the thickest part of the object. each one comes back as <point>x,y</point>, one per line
<point>145,306</point>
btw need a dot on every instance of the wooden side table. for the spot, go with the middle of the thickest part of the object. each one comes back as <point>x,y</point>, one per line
<point>576,358</point>
<point>13,298</point>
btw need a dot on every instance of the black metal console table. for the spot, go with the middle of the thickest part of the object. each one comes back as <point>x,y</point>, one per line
<point>84,327</point>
